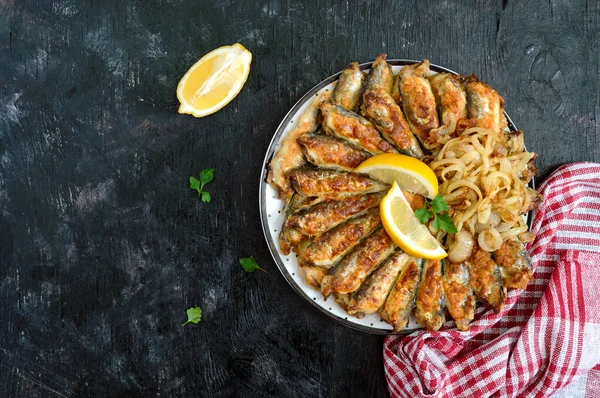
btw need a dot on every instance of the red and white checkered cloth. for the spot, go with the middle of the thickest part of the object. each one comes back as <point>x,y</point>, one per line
<point>547,339</point>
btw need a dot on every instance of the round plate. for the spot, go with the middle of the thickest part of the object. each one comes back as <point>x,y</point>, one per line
<point>272,216</point>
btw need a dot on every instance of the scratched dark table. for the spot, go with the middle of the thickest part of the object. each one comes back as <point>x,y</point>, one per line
<point>103,246</point>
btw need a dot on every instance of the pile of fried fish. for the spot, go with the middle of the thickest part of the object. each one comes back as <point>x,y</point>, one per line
<point>332,214</point>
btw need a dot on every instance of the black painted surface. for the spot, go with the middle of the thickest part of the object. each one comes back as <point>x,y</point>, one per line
<point>102,244</point>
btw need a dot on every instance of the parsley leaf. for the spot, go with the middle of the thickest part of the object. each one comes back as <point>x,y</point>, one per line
<point>437,208</point>
<point>444,222</point>
<point>250,264</point>
<point>423,214</point>
<point>194,315</point>
<point>195,184</point>
<point>438,204</point>
<point>206,176</point>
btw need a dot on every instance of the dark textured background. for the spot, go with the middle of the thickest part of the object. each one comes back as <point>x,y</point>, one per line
<point>102,244</point>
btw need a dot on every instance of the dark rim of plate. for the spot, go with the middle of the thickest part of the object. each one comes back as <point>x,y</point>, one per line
<point>263,183</point>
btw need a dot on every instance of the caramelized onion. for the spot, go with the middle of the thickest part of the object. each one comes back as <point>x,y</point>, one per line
<point>489,240</point>
<point>462,247</point>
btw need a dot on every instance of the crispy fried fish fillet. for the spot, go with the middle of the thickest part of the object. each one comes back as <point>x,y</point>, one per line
<point>289,239</point>
<point>451,101</point>
<point>349,87</point>
<point>486,279</point>
<point>515,264</point>
<point>351,272</point>
<point>353,128</point>
<point>418,101</point>
<point>429,305</point>
<point>289,155</point>
<point>373,292</point>
<point>329,213</point>
<point>327,249</point>
<point>485,107</point>
<point>380,76</point>
<point>386,115</point>
<point>401,300</point>
<point>331,152</point>
<point>312,275</point>
<point>333,183</point>
<point>460,299</point>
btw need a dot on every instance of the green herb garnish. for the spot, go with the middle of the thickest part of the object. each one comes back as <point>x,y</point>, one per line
<point>250,264</point>
<point>194,315</point>
<point>206,176</point>
<point>438,210</point>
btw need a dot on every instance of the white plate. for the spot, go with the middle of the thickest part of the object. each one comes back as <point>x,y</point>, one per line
<point>272,216</point>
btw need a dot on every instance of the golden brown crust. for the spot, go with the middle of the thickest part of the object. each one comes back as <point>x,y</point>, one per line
<point>327,151</point>
<point>349,87</point>
<point>326,215</point>
<point>485,106</point>
<point>332,183</point>
<point>289,239</point>
<point>380,76</point>
<point>460,300</point>
<point>352,271</point>
<point>418,101</point>
<point>516,266</point>
<point>347,125</point>
<point>429,305</point>
<point>289,155</point>
<point>312,275</point>
<point>400,301</point>
<point>375,289</point>
<point>381,108</point>
<point>486,280</point>
<point>451,102</point>
<point>327,249</point>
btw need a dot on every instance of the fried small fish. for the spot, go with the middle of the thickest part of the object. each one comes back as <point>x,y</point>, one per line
<point>329,248</point>
<point>331,152</point>
<point>418,101</point>
<point>333,183</point>
<point>486,279</point>
<point>353,128</point>
<point>451,101</point>
<point>401,299</point>
<point>312,275</point>
<point>373,293</point>
<point>460,299</point>
<point>485,107</point>
<point>349,87</point>
<point>380,75</point>
<point>329,213</point>
<point>289,239</point>
<point>289,155</point>
<point>515,264</point>
<point>300,202</point>
<point>430,301</point>
<point>386,115</point>
<point>354,268</point>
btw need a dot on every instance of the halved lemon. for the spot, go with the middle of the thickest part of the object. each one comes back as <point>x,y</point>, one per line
<point>405,229</point>
<point>213,81</point>
<point>411,174</point>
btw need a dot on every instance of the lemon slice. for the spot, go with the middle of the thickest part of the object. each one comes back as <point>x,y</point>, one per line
<point>405,229</point>
<point>411,174</point>
<point>213,81</point>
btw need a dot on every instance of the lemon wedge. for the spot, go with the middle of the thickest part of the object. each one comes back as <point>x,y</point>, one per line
<point>405,229</point>
<point>410,173</point>
<point>213,81</point>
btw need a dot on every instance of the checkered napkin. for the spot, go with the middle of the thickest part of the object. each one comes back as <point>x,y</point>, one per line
<point>547,339</point>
